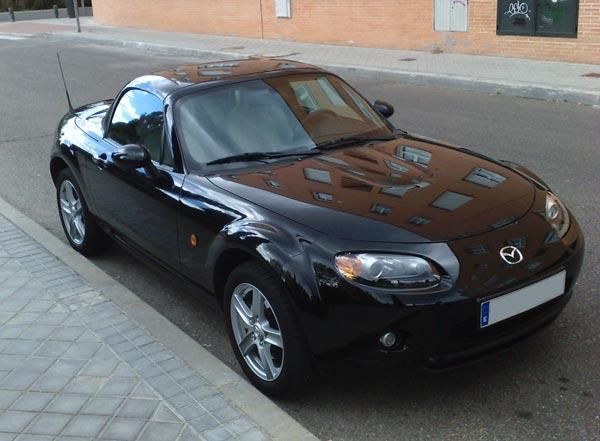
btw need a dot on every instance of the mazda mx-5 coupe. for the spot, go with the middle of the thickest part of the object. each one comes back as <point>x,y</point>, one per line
<point>322,231</point>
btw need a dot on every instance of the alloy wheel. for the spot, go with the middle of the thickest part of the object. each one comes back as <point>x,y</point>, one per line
<point>71,210</point>
<point>257,331</point>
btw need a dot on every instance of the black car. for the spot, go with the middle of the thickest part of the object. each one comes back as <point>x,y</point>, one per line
<point>322,231</point>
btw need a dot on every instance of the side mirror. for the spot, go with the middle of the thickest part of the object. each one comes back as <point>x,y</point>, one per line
<point>384,108</point>
<point>131,156</point>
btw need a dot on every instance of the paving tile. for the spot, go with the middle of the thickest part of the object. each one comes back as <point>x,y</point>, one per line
<point>157,431</point>
<point>138,408</point>
<point>39,306</point>
<point>30,437</point>
<point>38,332</point>
<point>85,385</point>
<point>181,400</point>
<point>191,412</point>
<point>123,370</point>
<point>35,364</point>
<point>189,435</point>
<point>15,422</point>
<point>21,347</point>
<point>52,348</point>
<point>49,424</point>
<point>252,435</point>
<point>100,367</point>
<point>7,436</point>
<point>23,318</point>
<point>163,413</point>
<point>84,350</point>
<point>87,426</point>
<point>7,397</point>
<point>123,429</point>
<point>204,422</point>
<point>239,425</point>
<point>12,331</point>
<point>9,362</point>
<point>217,434</point>
<point>213,403</point>
<point>19,380</point>
<point>51,382</point>
<point>32,401</point>
<point>102,405</point>
<point>67,367</point>
<point>68,333</point>
<point>225,414</point>
<point>120,386</point>
<point>143,391</point>
<point>67,403</point>
<point>52,318</point>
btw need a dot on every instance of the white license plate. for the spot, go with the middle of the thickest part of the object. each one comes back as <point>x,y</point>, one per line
<point>521,300</point>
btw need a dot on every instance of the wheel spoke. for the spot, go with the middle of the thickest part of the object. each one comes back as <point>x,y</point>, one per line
<point>243,312</point>
<point>65,206</point>
<point>77,221</point>
<point>266,360</point>
<point>257,305</point>
<point>272,336</point>
<point>77,206</point>
<point>69,193</point>
<point>246,344</point>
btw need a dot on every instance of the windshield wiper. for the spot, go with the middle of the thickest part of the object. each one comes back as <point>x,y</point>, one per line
<point>352,140</point>
<point>258,156</point>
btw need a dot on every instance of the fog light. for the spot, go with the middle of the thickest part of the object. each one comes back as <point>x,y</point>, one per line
<point>388,339</point>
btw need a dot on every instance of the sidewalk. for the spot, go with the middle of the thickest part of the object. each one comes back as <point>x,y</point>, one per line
<point>527,78</point>
<point>83,358</point>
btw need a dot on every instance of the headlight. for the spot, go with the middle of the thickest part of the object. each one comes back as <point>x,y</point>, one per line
<point>557,215</point>
<point>387,270</point>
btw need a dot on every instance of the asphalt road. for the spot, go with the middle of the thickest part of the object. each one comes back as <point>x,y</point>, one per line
<point>547,388</point>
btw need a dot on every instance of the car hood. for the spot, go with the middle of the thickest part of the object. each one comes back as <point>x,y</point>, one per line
<point>406,190</point>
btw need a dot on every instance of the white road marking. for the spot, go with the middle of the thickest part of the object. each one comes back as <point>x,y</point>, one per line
<point>11,37</point>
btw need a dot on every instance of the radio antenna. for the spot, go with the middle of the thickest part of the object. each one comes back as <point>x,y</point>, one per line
<point>64,83</point>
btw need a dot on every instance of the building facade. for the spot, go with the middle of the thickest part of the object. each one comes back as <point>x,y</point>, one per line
<point>562,30</point>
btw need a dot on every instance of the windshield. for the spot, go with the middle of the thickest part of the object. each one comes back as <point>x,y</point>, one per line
<point>287,113</point>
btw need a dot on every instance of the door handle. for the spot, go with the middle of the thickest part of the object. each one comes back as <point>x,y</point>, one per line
<point>100,160</point>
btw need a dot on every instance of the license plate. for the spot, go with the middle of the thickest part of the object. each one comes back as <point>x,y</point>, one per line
<point>521,300</point>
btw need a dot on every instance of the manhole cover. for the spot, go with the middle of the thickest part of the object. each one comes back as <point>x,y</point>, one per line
<point>592,75</point>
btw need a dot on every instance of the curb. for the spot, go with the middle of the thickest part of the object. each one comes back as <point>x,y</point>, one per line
<point>270,418</point>
<point>472,84</point>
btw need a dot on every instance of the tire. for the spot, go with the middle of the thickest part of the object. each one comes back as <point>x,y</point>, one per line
<point>293,363</point>
<point>84,235</point>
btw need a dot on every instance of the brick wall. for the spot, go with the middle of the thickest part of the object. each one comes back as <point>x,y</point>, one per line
<point>371,23</point>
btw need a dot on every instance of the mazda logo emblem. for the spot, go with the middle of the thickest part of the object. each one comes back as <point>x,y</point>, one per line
<point>511,255</point>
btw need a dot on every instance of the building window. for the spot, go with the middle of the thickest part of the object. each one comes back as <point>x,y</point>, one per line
<point>450,200</point>
<point>485,178</point>
<point>413,154</point>
<point>317,175</point>
<point>283,8</point>
<point>380,209</point>
<point>550,18</point>
<point>322,196</point>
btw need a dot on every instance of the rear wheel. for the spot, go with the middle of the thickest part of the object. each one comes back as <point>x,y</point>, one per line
<point>79,225</point>
<point>264,332</point>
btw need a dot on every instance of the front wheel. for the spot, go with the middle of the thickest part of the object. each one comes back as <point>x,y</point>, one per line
<point>79,225</point>
<point>264,332</point>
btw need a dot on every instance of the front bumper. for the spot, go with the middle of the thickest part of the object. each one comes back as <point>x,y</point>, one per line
<point>446,331</point>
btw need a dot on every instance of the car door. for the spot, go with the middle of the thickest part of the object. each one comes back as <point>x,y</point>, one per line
<point>141,207</point>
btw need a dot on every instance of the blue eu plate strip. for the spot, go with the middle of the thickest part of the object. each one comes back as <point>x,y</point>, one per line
<point>485,314</point>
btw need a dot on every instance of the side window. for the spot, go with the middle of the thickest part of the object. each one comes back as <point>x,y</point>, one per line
<point>139,119</point>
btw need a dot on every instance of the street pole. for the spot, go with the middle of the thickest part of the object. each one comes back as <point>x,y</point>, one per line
<point>76,4</point>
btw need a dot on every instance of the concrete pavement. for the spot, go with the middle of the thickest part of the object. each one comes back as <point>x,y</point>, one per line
<point>510,76</point>
<point>81,357</point>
